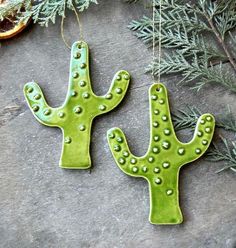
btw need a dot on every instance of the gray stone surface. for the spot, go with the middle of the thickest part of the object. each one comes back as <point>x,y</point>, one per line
<point>44,206</point>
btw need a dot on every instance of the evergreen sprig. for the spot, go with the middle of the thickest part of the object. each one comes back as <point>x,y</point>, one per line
<point>186,31</point>
<point>44,11</point>
<point>13,8</point>
<point>195,69</point>
<point>225,153</point>
<point>186,118</point>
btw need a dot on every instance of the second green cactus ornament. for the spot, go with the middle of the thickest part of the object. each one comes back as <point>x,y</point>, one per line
<point>81,106</point>
<point>165,156</point>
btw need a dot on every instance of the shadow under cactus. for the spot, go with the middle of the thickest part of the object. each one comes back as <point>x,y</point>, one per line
<point>81,106</point>
<point>165,156</point>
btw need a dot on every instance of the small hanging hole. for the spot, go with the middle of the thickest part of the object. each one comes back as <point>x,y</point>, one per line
<point>158,89</point>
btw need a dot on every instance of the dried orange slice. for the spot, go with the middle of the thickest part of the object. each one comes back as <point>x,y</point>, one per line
<point>9,26</point>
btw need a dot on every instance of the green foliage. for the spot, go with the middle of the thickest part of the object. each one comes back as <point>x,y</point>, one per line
<point>186,31</point>
<point>13,7</point>
<point>186,118</point>
<point>226,154</point>
<point>44,11</point>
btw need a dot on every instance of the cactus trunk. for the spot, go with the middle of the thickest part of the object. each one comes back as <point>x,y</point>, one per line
<point>75,151</point>
<point>164,207</point>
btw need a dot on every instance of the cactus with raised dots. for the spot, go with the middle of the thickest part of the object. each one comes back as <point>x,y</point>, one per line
<point>81,106</point>
<point>165,156</point>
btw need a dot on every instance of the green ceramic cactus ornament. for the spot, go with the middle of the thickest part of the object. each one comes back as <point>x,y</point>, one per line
<point>81,106</point>
<point>165,156</point>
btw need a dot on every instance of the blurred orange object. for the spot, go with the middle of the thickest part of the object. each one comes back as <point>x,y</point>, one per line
<point>9,26</point>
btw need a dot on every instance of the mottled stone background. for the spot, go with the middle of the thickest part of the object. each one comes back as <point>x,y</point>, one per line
<point>44,206</point>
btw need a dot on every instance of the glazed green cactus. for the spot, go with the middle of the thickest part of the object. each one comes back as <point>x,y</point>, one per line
<point>165,156</point>
<point>81,106</point>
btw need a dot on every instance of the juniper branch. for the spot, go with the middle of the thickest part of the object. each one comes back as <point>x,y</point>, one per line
<point>44,11</point>
<point>223,23</point>
<point>226,154</point>
<point>196,69</point>
<point>14,8</point>
<point>186,118</point>
<point>184,29</point>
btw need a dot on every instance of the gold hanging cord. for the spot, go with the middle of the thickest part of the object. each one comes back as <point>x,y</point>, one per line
<point>79,23</point>
<point>153,39</point>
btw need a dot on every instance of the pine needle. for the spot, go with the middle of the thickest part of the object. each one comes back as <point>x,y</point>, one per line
<point>225,153</point>
<point>186,118</point>
<point>44,11</point>
<point>186,31</point>
<point>14,8</point>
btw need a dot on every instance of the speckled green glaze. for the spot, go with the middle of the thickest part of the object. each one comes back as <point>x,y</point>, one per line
<point>165,156</point>
<point>81,106</point>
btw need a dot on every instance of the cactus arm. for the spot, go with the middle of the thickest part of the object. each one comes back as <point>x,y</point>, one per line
<point>114,95</point>
<point>41,110</point>
<point>125,160</point>
<point>201,140</point>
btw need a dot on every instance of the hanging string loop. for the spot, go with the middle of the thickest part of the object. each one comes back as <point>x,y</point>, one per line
<point>154,40</point>
<point>79,24</point>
